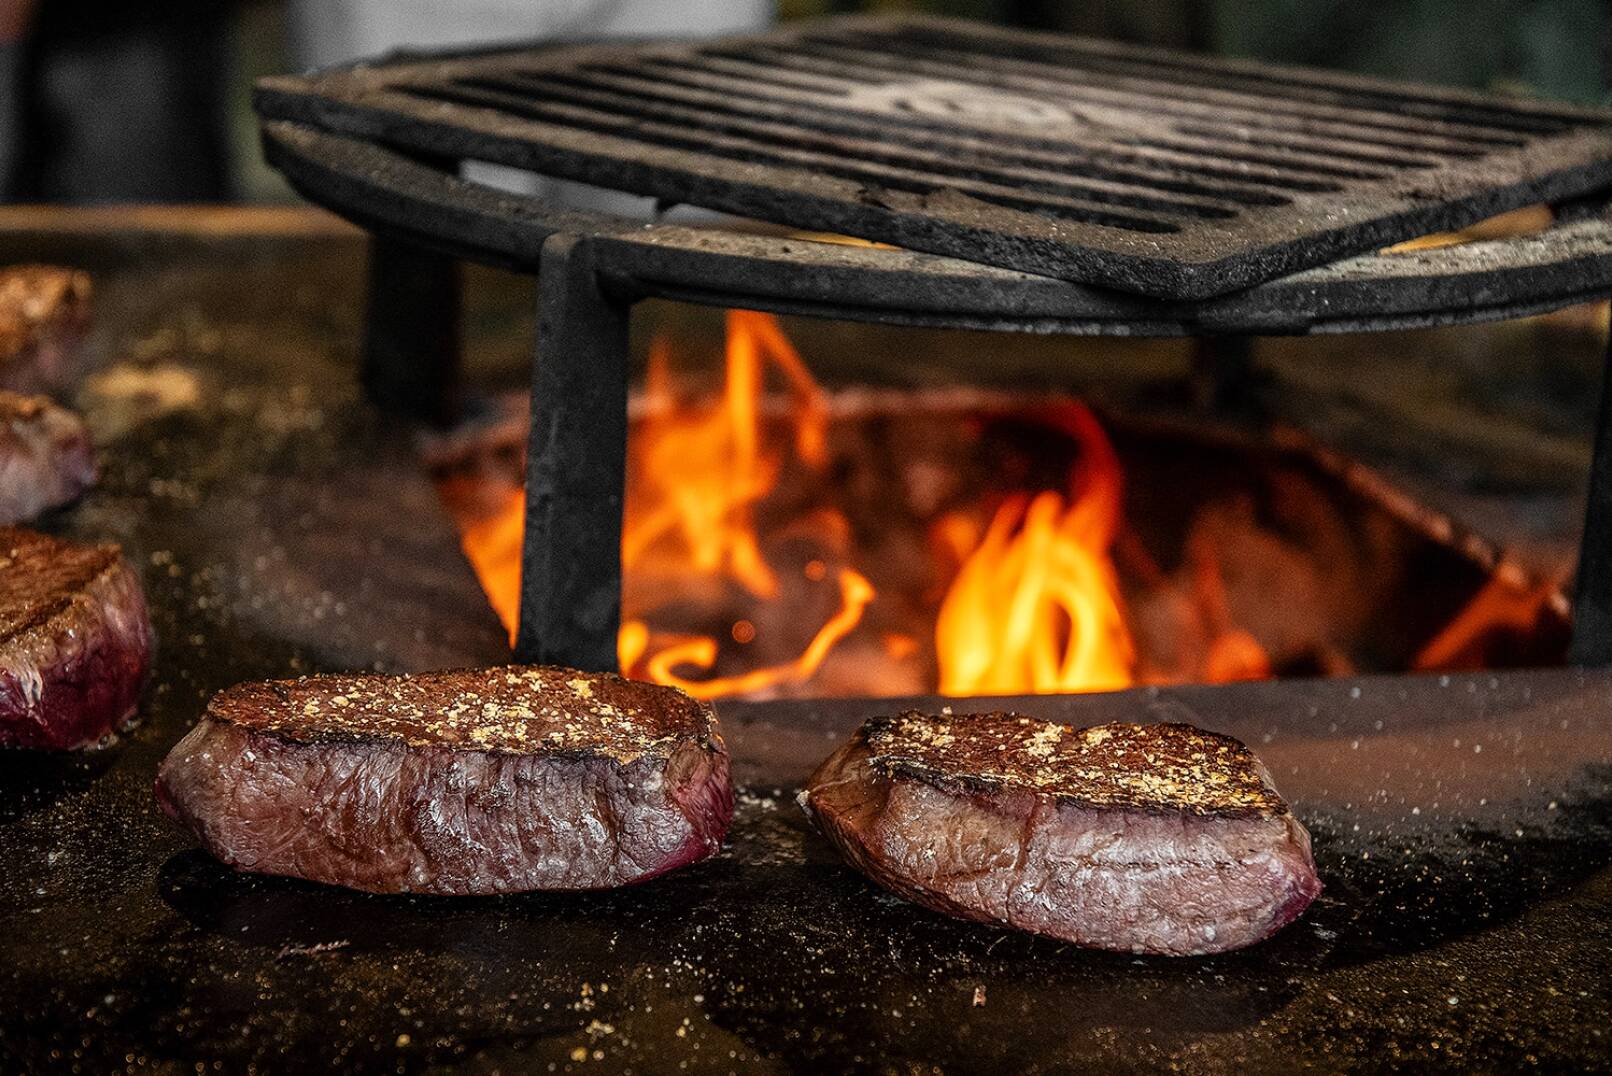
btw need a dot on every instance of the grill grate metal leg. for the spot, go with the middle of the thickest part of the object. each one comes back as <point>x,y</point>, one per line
<point>411,332</point>
<point>1592,602</point>
<point>1228,381</point>
<point>576,466</point>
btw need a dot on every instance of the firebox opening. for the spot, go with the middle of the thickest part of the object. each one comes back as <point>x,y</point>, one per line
<point>784,539</point>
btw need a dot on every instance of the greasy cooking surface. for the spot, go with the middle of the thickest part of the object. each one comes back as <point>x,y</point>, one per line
<point>42,576</point>
<point>1161,173</point>
<point>1463,827</point>
<point>1164,766</point>
<point>510,710</point>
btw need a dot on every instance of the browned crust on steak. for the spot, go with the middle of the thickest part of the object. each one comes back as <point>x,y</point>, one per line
<point>1128,875</point>
<point>468,782</point>
<point>75,642</point>
<point>1167,767</point>
<point>41,577</point>
<point>522,710</point>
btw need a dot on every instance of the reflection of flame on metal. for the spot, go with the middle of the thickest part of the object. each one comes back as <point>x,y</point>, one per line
<point>1528,220</point>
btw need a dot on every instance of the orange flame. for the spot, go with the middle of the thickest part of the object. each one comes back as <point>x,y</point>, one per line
<point>492,544</point>
<point>696,475</point>
<point>1506,602</point>
<point>698,472</point>
<point>1233,654</point>
<point>1036,605</point>
<point>700,651</point>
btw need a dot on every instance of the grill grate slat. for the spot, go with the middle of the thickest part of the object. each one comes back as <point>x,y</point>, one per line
<point>1161,116</point>
<point>1283,89</point>
<point>1237,107</point>
<point>1204,159</point>
<point>878,177</point>
<point>1387,129</point>
<point>1169,175</point>
<point>969,160</point>
<point>1161,171</point>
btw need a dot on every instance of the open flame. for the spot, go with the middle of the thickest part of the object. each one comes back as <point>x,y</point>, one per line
<point>696,473</point>
<point>1036,605</point>
<point>1507,603</point>
<point>1032,601</point>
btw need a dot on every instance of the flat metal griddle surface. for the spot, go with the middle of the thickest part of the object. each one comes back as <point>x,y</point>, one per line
<point>1463,827</point>
<point>1161,173</point>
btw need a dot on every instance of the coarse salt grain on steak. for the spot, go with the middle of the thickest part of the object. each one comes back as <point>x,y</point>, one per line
<point>45,457</point>
<point>1137,838</point>
<point>470,782</point>
<point>75,641</point>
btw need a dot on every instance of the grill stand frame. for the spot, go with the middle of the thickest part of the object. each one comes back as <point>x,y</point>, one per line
<point>592,269</point>
<point>1340,164</point>
<point>570,593</point>
<point>576,465</point>
<point>1592,595</point>
<point>412,328</point>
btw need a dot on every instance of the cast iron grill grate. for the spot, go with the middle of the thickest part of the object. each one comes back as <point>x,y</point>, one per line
<point>1153,172</point>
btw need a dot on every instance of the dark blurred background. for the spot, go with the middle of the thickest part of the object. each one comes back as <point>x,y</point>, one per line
<point>104,101</point>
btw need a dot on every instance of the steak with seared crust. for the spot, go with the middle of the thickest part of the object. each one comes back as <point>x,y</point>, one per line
<point>470,782</point>
<point>45,457</point>
<point>1137,838</point>
<point>75,641</point>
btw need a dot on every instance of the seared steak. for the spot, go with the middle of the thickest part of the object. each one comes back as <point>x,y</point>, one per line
<point>1137,838</point>
<point>469,782</point>
<point>45,457</point>
<point>75,642</point>
<point>43,312</point>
